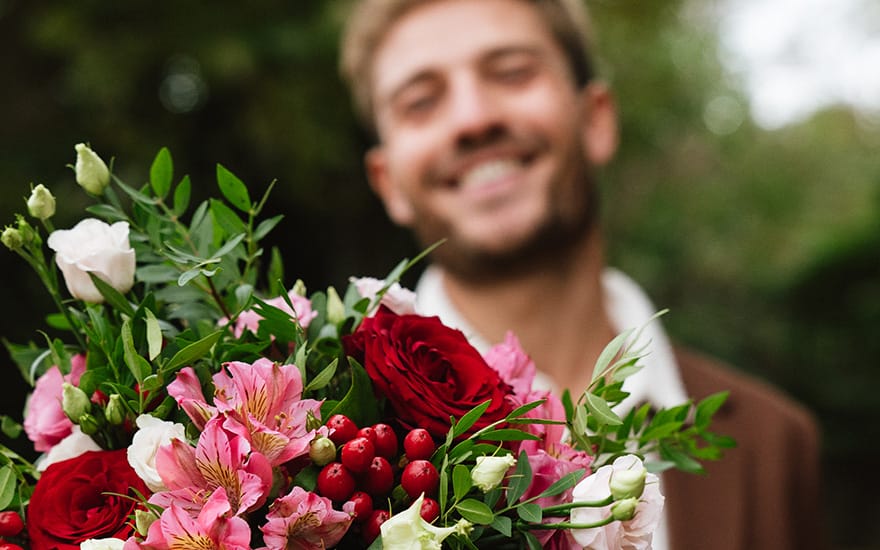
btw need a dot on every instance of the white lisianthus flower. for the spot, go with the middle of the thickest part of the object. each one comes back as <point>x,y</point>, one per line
<point>635,533</point>
<point>93,246</point>
<point>102,544</point>
<point>409,531</point>
<point>41,203</point>
<point>490,470</point>
<point>152,433</point>
<point>398,299</point>
<point>91,172</point>
<point>71,446</point>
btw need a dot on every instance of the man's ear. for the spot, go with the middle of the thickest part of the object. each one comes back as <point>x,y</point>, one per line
<point>396,203</point>
<point>600,136</point>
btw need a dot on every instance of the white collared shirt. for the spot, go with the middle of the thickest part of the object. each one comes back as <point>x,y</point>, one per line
<point>658,383</point>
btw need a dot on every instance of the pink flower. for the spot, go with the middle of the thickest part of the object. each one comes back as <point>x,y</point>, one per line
<point>263,403</point>
<point>634,534</point>
<point>220,460</point>
<point>513,364</point>
<point>187,391</point>
<point>304,521</point>
<point>214,527</point>
<point>401,301</point>
<point>250,319</point>
<point>45,422</point>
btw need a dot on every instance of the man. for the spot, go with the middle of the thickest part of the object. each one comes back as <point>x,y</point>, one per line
<point>490,124</point>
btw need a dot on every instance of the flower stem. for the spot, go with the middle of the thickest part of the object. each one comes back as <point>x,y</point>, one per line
<point>569,525</point>
<point>554,510</point>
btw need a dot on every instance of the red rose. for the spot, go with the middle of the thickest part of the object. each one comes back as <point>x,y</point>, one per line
<point>428,371</point>
<point>77,500</point>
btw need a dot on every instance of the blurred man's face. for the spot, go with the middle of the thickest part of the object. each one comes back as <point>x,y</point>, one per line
<point>484,138</point>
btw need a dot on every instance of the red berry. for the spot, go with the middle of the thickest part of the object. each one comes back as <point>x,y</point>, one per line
<point>361,506</point>
<point>368,432</point>
<point>378,480</point>
<point>336,482</point>
<point>430,510</point>
<point>357,454</point>
<point>386,441</point>
<point>419,476</point>
<point>10,523</point>
<point>4,545</point>
<point>373,524</point>
<point>342,428</point>
<point>418,444</point>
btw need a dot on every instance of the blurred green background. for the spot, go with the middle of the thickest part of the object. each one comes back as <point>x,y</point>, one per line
<point>764,244</point>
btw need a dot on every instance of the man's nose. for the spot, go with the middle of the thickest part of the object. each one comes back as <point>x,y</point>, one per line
<point>474,113</point>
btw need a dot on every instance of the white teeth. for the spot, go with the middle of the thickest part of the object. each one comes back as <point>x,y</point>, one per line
<point>488,172</point>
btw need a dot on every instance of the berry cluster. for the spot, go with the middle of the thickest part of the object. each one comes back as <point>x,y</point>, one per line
<point>361,466</point>
<point>11,526</point>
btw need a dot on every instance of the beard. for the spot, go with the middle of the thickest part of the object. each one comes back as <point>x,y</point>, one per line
<point>568,224</point>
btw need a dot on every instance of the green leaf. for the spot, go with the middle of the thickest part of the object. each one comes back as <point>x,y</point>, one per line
<point>323,378</point>
<point>609,353</point>
<point>508,434</point>
<point>230,244</point>
<point>138,366</point>
<point>461,481</point>
<point>470,418</point>
<point>157,273</point>
<point>161,172</point>
<point>182,194</point>
<point>188,276</point>
<point>475,511</point>
<point>11,428</point>
<point>359,403</point>
<point>520,480</point>
<point>193,351</point>
<point>601,411</point>
<point>112,295</point>
<point>707,408</point>
<point>154,335</point>
<point>233,189</point>
<point>682,461</point>
<point>519,411</point>
<point>107,212</point>
<point>564,483</point>
<point>8,485</point>
<point>226,218</point>
<point>532,541</point>
<point>530,512</point>
<point>503,525</point>
<point>266,226</point>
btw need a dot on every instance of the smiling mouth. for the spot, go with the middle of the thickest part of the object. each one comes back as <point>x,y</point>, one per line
<point>486,173</point>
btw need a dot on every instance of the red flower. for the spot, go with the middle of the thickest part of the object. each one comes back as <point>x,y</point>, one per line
<point>77,500</point>
<point>428,371</point>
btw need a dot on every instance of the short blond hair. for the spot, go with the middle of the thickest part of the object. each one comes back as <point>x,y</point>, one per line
<point>370,20</point>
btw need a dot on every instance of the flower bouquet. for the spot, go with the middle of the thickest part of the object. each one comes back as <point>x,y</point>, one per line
<point>187,396</point>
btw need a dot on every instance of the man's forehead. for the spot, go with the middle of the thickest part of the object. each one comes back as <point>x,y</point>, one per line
<point>445,33</point>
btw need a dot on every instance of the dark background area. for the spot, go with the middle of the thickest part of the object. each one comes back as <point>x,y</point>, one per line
<point>765,245</point>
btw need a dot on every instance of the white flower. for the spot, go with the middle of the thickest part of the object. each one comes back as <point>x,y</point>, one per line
<point>71,446</point>
<point>634,534</point>
<point>401,301</point>
<point>91,172</point>
<point>41,203</point>
<point>152,433</point>
<point>490,470</point>
<point>408,531</point>
<point>96,247</point>
<point>102,544</point>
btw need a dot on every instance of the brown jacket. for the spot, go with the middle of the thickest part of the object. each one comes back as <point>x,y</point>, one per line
<point>764,494</point>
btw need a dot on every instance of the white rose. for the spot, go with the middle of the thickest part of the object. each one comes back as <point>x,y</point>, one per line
<point>152,433</point>
<point>636,533</point>
<point>408,530</point>
<point>490,470</point>
<point>71,446</point>
<point>401,301</point>
<point>91,172</point>
<point>102,544</point>
<point>93,246</point>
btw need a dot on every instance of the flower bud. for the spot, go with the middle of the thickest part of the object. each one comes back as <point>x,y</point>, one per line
<point>88,424</point>
<point>624,510</point>
<point>91,172</point>
<point>299,288</point>
<point>335,307</point>
<point>74,401</point>
<point>41,203</point>
<point>115,410</point>
<point>322,450</point>
<point>28,235</point>
<point>12,239</point>
<point>629,483</point>
<point>490,470</point>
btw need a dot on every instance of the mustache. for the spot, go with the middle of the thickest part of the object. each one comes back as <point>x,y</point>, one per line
<point>470,150</point>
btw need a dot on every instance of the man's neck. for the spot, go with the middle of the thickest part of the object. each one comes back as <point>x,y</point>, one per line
<point>557,312</point>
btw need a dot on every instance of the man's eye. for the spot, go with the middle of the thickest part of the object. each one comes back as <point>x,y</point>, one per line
<point>514,74</point>
<point>418,105</point>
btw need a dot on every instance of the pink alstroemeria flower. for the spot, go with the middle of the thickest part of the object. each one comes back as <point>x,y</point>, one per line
<point>44,421</point>
<point>304,521</point>
<point>187,391</point>
<point>249,319</point>
<point>213,528</point>
<point>219,460</point>
<point>263,403</point>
